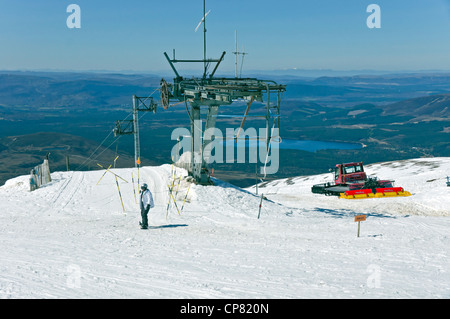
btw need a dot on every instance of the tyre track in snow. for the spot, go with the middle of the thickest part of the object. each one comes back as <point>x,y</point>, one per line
<point>68,191</point>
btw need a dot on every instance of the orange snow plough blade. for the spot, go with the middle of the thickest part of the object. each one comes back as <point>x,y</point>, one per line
<point>380,192</point>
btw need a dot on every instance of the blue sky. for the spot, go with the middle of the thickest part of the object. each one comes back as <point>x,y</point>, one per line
<point>316,34</point>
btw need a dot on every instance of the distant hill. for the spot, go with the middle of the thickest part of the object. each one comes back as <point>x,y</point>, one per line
<point>44,90</point>
<point>424,108</point>
<point>19,154</point>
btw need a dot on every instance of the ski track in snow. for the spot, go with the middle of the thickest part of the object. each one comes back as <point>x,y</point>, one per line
<point>72,239</point>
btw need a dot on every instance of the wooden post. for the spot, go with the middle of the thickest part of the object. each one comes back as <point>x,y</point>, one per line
<point>359,219</point>
<point>359,223</point>
<point>67,163</point>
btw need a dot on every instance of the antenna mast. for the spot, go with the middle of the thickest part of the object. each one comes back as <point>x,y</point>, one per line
<point>236,53</point>
<point>204,40</point>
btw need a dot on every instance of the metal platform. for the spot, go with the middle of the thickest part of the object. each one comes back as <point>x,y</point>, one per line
<point>207,92</point>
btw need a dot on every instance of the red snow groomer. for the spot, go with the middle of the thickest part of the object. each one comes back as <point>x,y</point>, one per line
<point>351,182</point>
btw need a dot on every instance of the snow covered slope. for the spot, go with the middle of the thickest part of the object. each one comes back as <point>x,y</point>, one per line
<point>72,239</point>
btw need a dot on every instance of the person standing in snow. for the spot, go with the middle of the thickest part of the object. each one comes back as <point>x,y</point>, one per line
<point>146,204</point>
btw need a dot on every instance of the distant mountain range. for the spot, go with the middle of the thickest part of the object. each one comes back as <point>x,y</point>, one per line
<point>397,116</point>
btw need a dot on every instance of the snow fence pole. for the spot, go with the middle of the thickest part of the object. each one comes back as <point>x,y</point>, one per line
<point>120,195</point>
<point>176,206</point>
<point>184,201</point>
<point>103,174</point>
<point>138,162</point>
<point>260,204</point>
<point>134,190</point>
<point>108,170</point>
<point>179,182</point>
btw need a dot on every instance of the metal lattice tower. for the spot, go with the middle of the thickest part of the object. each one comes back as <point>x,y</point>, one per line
<point>208,93</point>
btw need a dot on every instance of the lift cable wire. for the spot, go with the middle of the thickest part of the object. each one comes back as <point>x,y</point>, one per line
<point>98,147</point>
